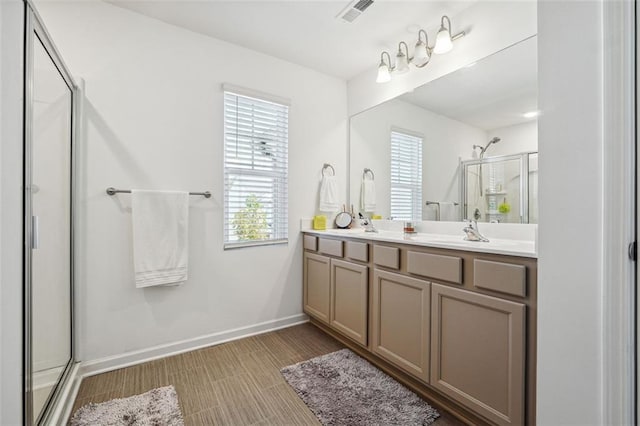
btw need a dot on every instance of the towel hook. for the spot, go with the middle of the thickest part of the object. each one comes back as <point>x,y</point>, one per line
<point>368,170</point>
<point>328,166</point>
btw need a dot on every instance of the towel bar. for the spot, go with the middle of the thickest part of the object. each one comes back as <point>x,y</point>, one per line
<point>437,204</point>
<point>112,191</point>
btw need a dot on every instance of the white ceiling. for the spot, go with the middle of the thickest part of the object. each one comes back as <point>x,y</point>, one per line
<point>493,93</point>
<point>305,32</point>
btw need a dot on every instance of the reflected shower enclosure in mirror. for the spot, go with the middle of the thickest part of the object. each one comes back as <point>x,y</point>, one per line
<point>50,120</point>
<point>478,134</point>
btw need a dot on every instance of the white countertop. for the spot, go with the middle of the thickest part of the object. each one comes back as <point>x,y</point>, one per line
<point>507,247</point>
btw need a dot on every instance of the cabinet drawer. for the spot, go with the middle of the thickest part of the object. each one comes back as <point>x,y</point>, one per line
<point>445,268</point>
<point>330,247</point>
<point>357,251</point>
<point>502,277</point>
<point>310,242</point>
<point>389,257</point>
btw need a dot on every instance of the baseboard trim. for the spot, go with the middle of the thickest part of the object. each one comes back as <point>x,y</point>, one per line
<point>67,397</point>
<point>103,365</point>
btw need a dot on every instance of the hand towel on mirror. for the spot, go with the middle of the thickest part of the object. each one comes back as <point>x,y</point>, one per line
<point>328,194</point>
<point>368,195</point>
<point>160,237</point>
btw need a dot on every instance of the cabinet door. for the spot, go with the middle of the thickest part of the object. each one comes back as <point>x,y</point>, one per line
<point>478,347</point>
<point>317,286</point>
<point>401,321</point>
<point>349,299</point>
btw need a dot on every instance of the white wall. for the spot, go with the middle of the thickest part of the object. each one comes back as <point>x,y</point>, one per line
<point>570,229</point>
<point>514,139</point>
<point>11,39</point>
<point>154,120</point>
<point>490,25</point>
<point>445,141</point>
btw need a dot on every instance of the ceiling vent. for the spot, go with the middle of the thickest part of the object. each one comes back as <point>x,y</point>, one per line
<point>354,10</point>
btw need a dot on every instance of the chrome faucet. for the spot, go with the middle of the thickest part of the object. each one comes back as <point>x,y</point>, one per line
<point>367,223</point>
<point>473,234</point>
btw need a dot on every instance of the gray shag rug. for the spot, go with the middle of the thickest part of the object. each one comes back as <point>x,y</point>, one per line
<point>158,407</point>
<point>343,389</point>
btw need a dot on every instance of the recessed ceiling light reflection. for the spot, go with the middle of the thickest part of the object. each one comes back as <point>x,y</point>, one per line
<point>531,114</point>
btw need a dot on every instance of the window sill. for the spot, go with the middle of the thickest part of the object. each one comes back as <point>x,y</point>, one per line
<point>243,244</point>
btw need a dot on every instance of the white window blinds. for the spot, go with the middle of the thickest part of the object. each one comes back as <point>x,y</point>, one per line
<point>256,134</point>
<point>406,176</point>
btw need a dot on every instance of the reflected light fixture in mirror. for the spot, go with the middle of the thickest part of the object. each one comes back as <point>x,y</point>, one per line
<point>421,54</point>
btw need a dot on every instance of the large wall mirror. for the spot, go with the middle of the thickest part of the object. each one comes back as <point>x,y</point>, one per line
<point>463,146</point>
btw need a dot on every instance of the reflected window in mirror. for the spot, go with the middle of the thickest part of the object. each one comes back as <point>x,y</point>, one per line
<point>406,175</point>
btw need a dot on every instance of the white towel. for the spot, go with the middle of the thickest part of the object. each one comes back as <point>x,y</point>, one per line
<point>329,194</point>
<point>160,237</point>
<point>368,195</point>
<point>448,212</point>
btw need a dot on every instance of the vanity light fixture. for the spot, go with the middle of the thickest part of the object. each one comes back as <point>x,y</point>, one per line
<point>402,59</point>
<point>444,42</point>
<point>421,54</point>
<point>384,69</point>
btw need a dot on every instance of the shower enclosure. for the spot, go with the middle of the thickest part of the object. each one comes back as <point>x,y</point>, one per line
<point>501,189</point>
<point>50,131</point>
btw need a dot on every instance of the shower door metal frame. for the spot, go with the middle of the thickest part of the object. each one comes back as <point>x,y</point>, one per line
<point>524,180</point>
<point>35,31</point>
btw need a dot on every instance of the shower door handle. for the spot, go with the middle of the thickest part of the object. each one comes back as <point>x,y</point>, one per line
<point>35,232</point>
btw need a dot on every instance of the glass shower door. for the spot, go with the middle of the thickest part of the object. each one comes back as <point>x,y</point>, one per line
<point>51,209</point>
<point>501,189</point>
<point>48,224</point>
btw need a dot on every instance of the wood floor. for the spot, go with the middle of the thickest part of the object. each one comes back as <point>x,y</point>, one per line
<point>236,383</point>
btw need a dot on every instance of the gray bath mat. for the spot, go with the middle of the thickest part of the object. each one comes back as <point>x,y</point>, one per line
<point>343,389</point>
<point>158,407</point>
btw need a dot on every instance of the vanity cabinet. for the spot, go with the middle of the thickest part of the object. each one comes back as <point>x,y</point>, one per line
<point>478,352</point>
<point>317,287</point>
<point>349,299</point>
<point>336,291</point>
<point>400,326</point>
<point>456,326</point>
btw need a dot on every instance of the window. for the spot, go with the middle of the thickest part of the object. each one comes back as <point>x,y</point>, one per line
<point>256,133</point>
<point>406,176</point>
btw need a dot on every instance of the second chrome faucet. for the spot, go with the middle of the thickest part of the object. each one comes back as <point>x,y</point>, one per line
<point>473,234</point>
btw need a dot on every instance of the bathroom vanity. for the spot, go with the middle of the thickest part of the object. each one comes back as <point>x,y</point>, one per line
<point>453,320</point>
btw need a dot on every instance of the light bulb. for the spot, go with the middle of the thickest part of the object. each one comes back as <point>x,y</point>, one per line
<point>383,73</point>
<point>443,41</point>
